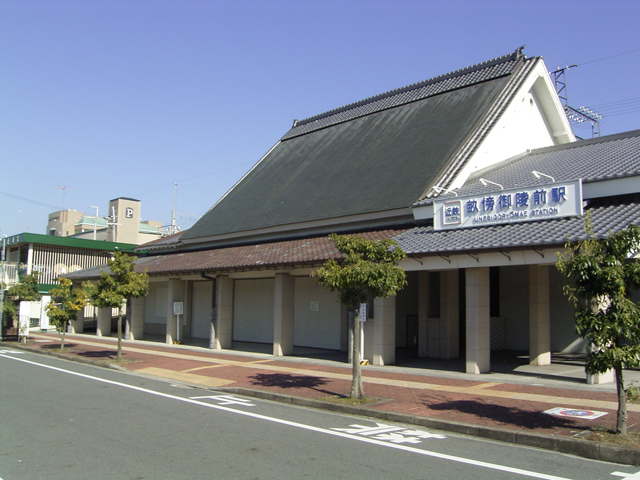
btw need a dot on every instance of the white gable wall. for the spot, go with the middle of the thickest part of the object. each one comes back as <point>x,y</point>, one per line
<point>534,119</point>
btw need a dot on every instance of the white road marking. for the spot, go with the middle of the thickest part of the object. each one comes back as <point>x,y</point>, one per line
<point>227,400</point>
<point>633,476</point>
<point>390,433</point>
<point>373,441</point>
<point>9,352</point>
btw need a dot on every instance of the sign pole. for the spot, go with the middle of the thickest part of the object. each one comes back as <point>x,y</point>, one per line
<point>362,317</point>
<point>178,309</point>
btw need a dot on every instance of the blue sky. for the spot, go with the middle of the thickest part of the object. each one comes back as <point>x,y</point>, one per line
<point>106,99</point>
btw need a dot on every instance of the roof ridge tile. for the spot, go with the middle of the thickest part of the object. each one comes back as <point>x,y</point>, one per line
<point>313,123</point>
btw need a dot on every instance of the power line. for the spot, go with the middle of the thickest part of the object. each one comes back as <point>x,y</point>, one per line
<point>35,202</point>
<point>196,176</point>
<point>610,56</point>
<point>619,107</point>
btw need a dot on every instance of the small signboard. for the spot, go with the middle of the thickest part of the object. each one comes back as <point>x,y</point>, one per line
<point>362,314</point>
<point>178,308</point>
<point>575,413</point>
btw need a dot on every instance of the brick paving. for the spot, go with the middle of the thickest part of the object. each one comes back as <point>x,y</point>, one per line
<point>510,405</point>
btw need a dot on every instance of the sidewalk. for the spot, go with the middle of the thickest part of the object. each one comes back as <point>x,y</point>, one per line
<point>497,406</point>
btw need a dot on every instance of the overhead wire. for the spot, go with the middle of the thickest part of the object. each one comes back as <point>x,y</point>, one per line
<point>195,177</point>
<point>619,107</point>
<point>35,202</point>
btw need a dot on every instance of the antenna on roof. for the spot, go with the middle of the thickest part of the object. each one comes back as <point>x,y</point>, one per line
<point>173,228</point>
<point>580,115</point>
<point>64,189</point>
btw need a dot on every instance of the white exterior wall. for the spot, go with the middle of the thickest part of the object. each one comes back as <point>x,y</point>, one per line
<point>202,299</point>
<point>534,119</point>
<point>155,311</point>
<point>316,328</point>
<point>253,310</point>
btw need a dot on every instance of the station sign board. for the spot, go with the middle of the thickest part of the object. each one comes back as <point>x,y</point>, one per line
<point>526,204</point>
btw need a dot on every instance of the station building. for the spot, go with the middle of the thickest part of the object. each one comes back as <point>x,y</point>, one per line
<point>476,174</point>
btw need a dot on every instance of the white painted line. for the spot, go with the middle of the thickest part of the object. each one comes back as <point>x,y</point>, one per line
<point>443,456</point>
<point>227,400</point>
<point>632,476</point>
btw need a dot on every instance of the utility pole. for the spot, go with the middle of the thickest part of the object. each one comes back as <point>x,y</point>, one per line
<point>95,222</point>
<point>575,115</point>
<point>172,228</point>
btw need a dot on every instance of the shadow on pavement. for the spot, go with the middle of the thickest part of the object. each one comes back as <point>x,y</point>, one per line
<point>110,354</point>
<point>507,415</point>
<point>56,346</point>
<point>285,380</point>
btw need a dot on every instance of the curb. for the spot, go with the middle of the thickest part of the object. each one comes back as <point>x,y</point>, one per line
<point>572,446</point>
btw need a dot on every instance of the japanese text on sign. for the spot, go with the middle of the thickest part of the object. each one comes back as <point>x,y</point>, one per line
<point>507,206</point>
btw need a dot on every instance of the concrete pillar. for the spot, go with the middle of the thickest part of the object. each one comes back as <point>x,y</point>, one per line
<point>103,325</point>
<point>600,378</point>
<point>478,340</point>
<point>135,319</point>
<point>30,259</point>
<point>174,294</point>
<point>384,331</point>
<point>539,316</point>
<point>448,334</point>
<point>283,318</point>
<point>77,326</point>
<point>223,323</point>
<point>423,312</point>
<point>185,320</point>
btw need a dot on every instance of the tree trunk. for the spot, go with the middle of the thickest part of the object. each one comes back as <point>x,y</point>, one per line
<point>356,384</point>
<point>62,342</point>
<point>621,428</point>
<point>119,357</point>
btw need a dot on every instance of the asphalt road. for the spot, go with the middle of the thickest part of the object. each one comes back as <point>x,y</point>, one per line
<point>65,420</point>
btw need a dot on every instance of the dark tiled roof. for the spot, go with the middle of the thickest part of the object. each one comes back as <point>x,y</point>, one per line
<point>309,251</point>
<point>598,159</point>
<point>164,242</point>
<point>474,74</point>
<point>374,156</point>
<point>607,215</point>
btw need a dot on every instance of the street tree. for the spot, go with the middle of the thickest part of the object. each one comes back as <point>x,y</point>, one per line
<point>116,286</point>
<point>66,302</point>
<point>368,269</point>
<point>602,273</point>
<point>25,291</point>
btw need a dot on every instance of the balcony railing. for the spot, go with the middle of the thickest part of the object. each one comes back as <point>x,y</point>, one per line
<point>10,274</point>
